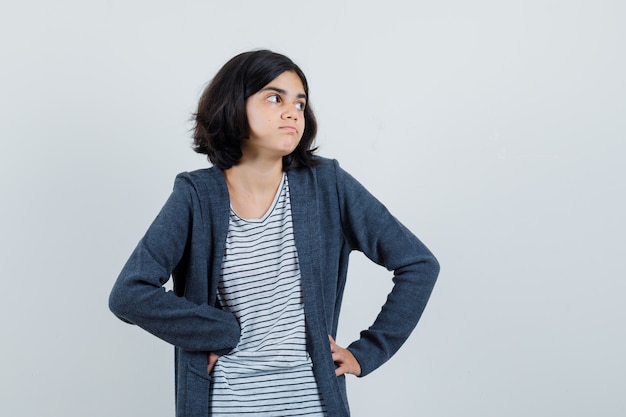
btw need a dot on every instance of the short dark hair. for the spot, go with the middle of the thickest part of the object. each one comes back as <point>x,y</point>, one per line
<point>221,122</point>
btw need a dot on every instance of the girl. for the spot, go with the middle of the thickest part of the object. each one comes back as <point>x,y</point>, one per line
<point>257,247</point>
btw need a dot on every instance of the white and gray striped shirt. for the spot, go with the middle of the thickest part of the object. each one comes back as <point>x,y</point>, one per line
<point>269,373</point>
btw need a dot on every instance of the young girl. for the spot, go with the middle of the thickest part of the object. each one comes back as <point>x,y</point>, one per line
<point>258,246</point>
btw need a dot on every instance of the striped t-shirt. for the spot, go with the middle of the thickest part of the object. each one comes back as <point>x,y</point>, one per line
<point>269,373</point>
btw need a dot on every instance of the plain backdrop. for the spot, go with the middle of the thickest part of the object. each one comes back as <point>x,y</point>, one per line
<point>495,130</point>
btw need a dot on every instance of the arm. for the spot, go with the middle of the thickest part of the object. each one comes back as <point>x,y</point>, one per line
<point>138,295</point>
<point>370,228</point>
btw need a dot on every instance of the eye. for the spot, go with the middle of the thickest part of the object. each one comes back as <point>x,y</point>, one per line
<point>273,98</point>
<point>300,105</point>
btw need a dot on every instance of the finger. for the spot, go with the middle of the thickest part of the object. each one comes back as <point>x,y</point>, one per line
<point>211,360</point>
<point>341,370</point>
<point>332,342</point>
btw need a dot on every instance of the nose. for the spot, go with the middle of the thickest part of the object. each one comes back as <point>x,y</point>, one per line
<point>290,113</point>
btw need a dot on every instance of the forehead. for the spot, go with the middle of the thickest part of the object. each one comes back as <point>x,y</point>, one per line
<point>288,81</point>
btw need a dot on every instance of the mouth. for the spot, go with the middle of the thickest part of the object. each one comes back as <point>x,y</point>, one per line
<point>290,129</point>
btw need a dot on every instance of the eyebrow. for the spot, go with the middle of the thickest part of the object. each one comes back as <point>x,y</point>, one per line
<point>283,92</point>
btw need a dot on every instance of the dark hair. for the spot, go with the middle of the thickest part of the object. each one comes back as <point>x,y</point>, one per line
<point>221,122</point>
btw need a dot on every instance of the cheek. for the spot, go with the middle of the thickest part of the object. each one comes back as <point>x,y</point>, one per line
<point>255,122</point>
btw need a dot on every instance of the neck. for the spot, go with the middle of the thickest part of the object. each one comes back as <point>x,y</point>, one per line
<point>255,176</point>
<point>252,187</point>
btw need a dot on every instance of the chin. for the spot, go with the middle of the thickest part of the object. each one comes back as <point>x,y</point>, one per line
<point>289,148</point>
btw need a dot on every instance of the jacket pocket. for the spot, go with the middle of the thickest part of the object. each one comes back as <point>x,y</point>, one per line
<point>198,384</point>
<point>341,382</point>
<point>193,390</point>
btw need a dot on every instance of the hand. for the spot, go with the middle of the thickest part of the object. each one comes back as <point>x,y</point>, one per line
<point>211,359</point>
<point>345,359</point>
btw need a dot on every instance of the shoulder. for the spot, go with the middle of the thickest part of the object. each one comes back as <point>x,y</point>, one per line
<point>323,173</point>
<point>328,178</point>
<point>210,178</point>
<point>199,175</point>
<point>327,172</point>
<point>325,164</point>
<point>324,168</point>
<point>205,184</point>
<point>331,170</point>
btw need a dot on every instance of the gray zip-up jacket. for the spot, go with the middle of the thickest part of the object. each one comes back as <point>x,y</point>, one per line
<point>332,215</point>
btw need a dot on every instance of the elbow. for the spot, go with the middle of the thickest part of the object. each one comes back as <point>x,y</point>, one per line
<point>435,267</point>
<point>119,303</point>
<point>432,268</point>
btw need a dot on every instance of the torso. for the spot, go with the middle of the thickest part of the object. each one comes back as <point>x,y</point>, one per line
<point>260,285</point>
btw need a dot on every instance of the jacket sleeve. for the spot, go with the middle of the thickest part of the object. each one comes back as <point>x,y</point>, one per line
<point>138,295</point>
<point>370,228</point>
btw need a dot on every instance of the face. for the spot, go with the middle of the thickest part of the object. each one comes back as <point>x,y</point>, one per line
<point>276,117</point>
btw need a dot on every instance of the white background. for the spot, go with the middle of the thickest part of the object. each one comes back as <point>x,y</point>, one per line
<point>495,130</point>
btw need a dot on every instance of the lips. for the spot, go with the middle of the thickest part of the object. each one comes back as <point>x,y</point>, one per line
<point>289,129</point>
